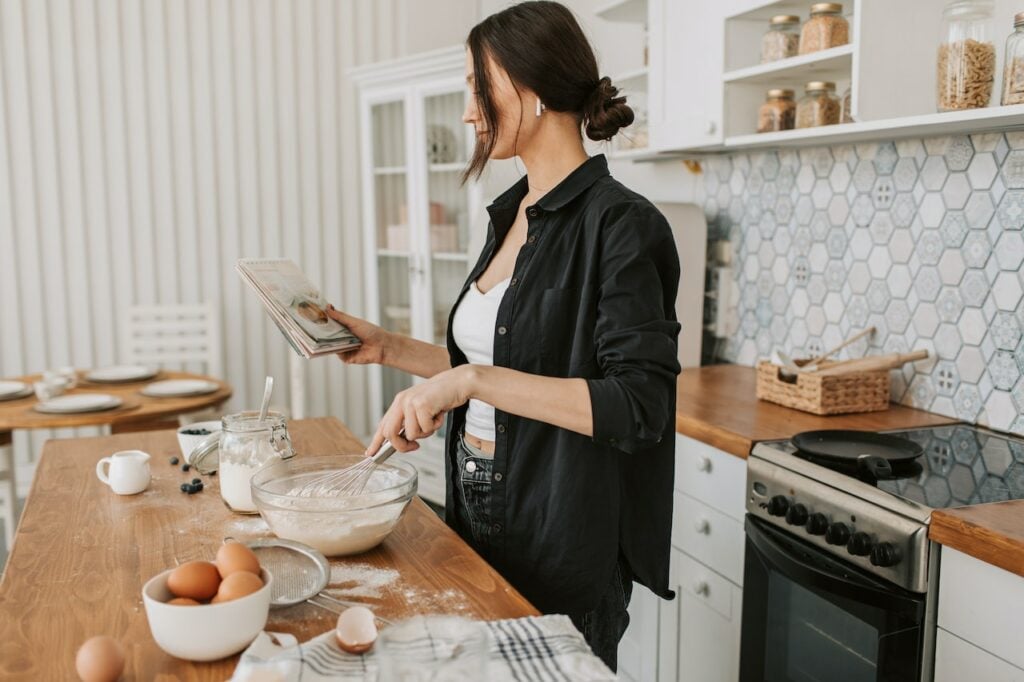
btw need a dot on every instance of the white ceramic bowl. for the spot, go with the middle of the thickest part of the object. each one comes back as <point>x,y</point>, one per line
<point>186,442</point>
<point>207,632</point>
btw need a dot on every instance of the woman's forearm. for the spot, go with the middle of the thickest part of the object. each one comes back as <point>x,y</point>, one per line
<point>562,402</point>
<point>415,357</point>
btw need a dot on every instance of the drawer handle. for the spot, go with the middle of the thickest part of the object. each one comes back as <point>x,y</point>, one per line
<point>703,526</point>
<point>702,588</point>
<point>704,464</point>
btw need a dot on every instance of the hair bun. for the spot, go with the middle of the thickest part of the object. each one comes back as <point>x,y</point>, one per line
<point>605,112</point>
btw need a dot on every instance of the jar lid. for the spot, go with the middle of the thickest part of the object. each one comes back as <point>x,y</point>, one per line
<point>780,92</point>
<point>1018,19</point>
<point>784,19</point>
<point>962,9</point>
<point>819,85</point>
<point>826,8</point>
<point>203,457</point>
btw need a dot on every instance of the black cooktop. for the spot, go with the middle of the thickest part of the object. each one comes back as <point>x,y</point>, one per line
<point>961,465</point>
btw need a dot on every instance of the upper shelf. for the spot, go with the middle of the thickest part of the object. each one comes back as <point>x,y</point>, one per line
<point>629,11</point>
<point>833,64</point>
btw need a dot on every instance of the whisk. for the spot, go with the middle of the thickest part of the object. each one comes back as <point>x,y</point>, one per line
<point>350,480</point>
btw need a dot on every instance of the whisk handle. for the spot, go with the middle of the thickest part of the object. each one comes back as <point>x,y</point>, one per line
<point>386,450</point>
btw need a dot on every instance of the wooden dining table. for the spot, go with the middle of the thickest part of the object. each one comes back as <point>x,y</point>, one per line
<point>82,554</point>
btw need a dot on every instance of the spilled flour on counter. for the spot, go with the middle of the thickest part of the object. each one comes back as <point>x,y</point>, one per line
<point>425,602</point>
<point>360,580</point>
<point>243,526</point>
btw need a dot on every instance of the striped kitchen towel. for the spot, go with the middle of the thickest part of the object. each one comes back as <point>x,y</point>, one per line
<point>532,649</point>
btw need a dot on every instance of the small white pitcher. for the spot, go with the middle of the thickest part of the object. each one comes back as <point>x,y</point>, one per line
<point>128,472</point>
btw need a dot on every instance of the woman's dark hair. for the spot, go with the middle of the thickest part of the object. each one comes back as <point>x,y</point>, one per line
<point>543,48</point>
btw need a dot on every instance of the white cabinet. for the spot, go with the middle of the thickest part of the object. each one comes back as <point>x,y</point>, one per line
<point>980,604</point>
<point>697,636</point>
<point>957,660</point>
<point>422,229</point>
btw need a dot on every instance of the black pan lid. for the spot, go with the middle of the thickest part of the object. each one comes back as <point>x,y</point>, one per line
<point>843,444</point>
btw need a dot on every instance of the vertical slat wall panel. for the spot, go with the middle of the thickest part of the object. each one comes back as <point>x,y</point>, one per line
<point>145,145</point>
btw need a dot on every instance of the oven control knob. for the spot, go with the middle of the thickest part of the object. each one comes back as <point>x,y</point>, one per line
<point>796,515</point>
<point>885,554</point>
<point>778,505</point>
<point>860,544</point>
<point>817,524</point>
<point>837,534</point>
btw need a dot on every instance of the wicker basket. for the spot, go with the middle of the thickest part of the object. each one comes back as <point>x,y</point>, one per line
<point>841,394</point>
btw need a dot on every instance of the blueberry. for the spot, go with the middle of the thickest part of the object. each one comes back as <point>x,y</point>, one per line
<point>196,480</point>
<point>174,461</point>
<point>185,487</point>
<point>198,486</point>
<point>185,467</point>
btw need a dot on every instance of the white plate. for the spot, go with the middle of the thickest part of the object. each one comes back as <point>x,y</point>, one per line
<point>119,374</point>
<point>81,402</point>
<point>9,389</point>
<point>176,388</point>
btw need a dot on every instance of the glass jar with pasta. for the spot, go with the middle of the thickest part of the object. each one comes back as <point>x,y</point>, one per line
<point>782,39</point>
<point>967,56</point>
<point>819,106</point>
<point>778,111</point>
<point>1013,64</point>
<point>827,28</point>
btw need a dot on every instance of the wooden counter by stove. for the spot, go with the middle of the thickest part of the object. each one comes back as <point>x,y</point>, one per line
<point>82,554</point>
<point>717,405</point>
<point>991,532</point>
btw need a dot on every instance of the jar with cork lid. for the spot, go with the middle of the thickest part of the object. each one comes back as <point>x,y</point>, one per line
<point>819,106</point>
<point>1013,64</point>
<point>782,39</point>
<point>827,28</point>
<point>778,111</point>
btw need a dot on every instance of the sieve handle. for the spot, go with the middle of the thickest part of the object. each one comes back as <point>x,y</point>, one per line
<point>333,605</point>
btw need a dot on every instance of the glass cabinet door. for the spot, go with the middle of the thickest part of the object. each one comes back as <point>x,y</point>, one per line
<point>393,232</point>
<point>448,211</point>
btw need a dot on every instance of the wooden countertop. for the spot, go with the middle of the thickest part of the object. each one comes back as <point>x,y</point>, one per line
<point>716,405</point>
<point>82,554</point>
<point>991,532</point>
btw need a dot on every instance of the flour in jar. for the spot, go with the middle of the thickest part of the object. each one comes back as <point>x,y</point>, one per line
<point>234,485</point>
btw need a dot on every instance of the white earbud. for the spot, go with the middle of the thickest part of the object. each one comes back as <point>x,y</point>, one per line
<point>540,107</point>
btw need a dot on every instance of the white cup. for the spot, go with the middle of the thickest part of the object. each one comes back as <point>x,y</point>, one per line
<point>49,387</point>
<point>70,375</point>
<point>128,471</point>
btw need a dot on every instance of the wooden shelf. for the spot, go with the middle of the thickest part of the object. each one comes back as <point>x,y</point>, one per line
<point>629,11</point>
<point>926,125</point>
<point>829,65</point>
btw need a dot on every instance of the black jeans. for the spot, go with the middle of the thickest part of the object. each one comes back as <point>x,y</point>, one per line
<point>603,626</point>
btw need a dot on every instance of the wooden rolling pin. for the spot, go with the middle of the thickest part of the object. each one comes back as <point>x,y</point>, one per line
<point>872,363</point>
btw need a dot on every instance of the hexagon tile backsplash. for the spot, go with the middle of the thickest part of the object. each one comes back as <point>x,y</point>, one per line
<point>920,238</point>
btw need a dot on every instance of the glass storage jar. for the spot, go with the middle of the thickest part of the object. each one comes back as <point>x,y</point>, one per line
<point>819,106</point>
<point>1013,64</point>
<point>967,56</point>
<point>847,115</point>
<point>827,28</point>
<point>782,39</point>
<point>247,444</point>
<point>778,111</point>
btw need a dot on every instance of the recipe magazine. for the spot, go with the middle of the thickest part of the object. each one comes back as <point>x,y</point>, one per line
<point>295,306</point>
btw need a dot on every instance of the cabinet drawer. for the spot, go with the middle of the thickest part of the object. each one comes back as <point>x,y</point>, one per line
<point>957,660</point>
<point>709,535</point>
<point>430,466</point>
<point>980,603</point>
<point>712,476</point>
<point>710,610</point>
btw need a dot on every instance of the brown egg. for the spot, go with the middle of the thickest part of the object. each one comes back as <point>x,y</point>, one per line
<point>356,630</point>
<point>197,580</point>
<point>100,659</point>
<point>183,601</point>
<point>237,585</point>
<point>233,557</point>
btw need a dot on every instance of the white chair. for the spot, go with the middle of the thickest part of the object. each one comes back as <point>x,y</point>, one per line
<point>176,337</point>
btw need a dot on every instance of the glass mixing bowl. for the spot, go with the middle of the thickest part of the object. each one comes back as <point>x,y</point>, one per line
<point>336,524</point>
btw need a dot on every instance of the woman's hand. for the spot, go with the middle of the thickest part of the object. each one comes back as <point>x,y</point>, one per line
<point>421,409</point>
<point>375,341</point>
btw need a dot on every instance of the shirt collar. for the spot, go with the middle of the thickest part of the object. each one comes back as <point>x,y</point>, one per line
<point>503,209</point>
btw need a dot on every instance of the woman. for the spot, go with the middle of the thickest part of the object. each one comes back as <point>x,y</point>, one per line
<point>558,379</point>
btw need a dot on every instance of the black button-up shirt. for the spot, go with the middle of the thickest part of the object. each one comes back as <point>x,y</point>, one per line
<point>594,297</point>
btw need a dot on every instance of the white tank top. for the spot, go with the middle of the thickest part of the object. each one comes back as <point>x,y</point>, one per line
<point>473,330</point>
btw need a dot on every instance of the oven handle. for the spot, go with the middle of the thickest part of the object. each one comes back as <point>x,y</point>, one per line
<point>850,587</point>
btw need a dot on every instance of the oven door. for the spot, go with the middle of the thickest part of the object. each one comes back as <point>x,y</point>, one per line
<point>810,617</point>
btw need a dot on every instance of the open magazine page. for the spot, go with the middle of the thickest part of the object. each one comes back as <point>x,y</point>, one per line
<point>296,306</point>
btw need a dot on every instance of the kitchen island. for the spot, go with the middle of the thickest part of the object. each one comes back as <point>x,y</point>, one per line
<point>82,554</point>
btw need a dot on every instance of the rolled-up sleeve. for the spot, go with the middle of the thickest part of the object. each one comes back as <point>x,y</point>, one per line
<point>636,334</point>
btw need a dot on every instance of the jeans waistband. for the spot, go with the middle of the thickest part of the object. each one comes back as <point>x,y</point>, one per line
<point>473,450</point>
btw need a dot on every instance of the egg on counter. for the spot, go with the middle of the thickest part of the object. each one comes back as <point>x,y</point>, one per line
<point>100,659</point>
<point>233,557</point>
<point>237,585</point>
<point>356,630</point>
<point>197,580</point>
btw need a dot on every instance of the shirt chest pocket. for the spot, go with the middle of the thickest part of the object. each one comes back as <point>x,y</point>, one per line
<point>557,329</point>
